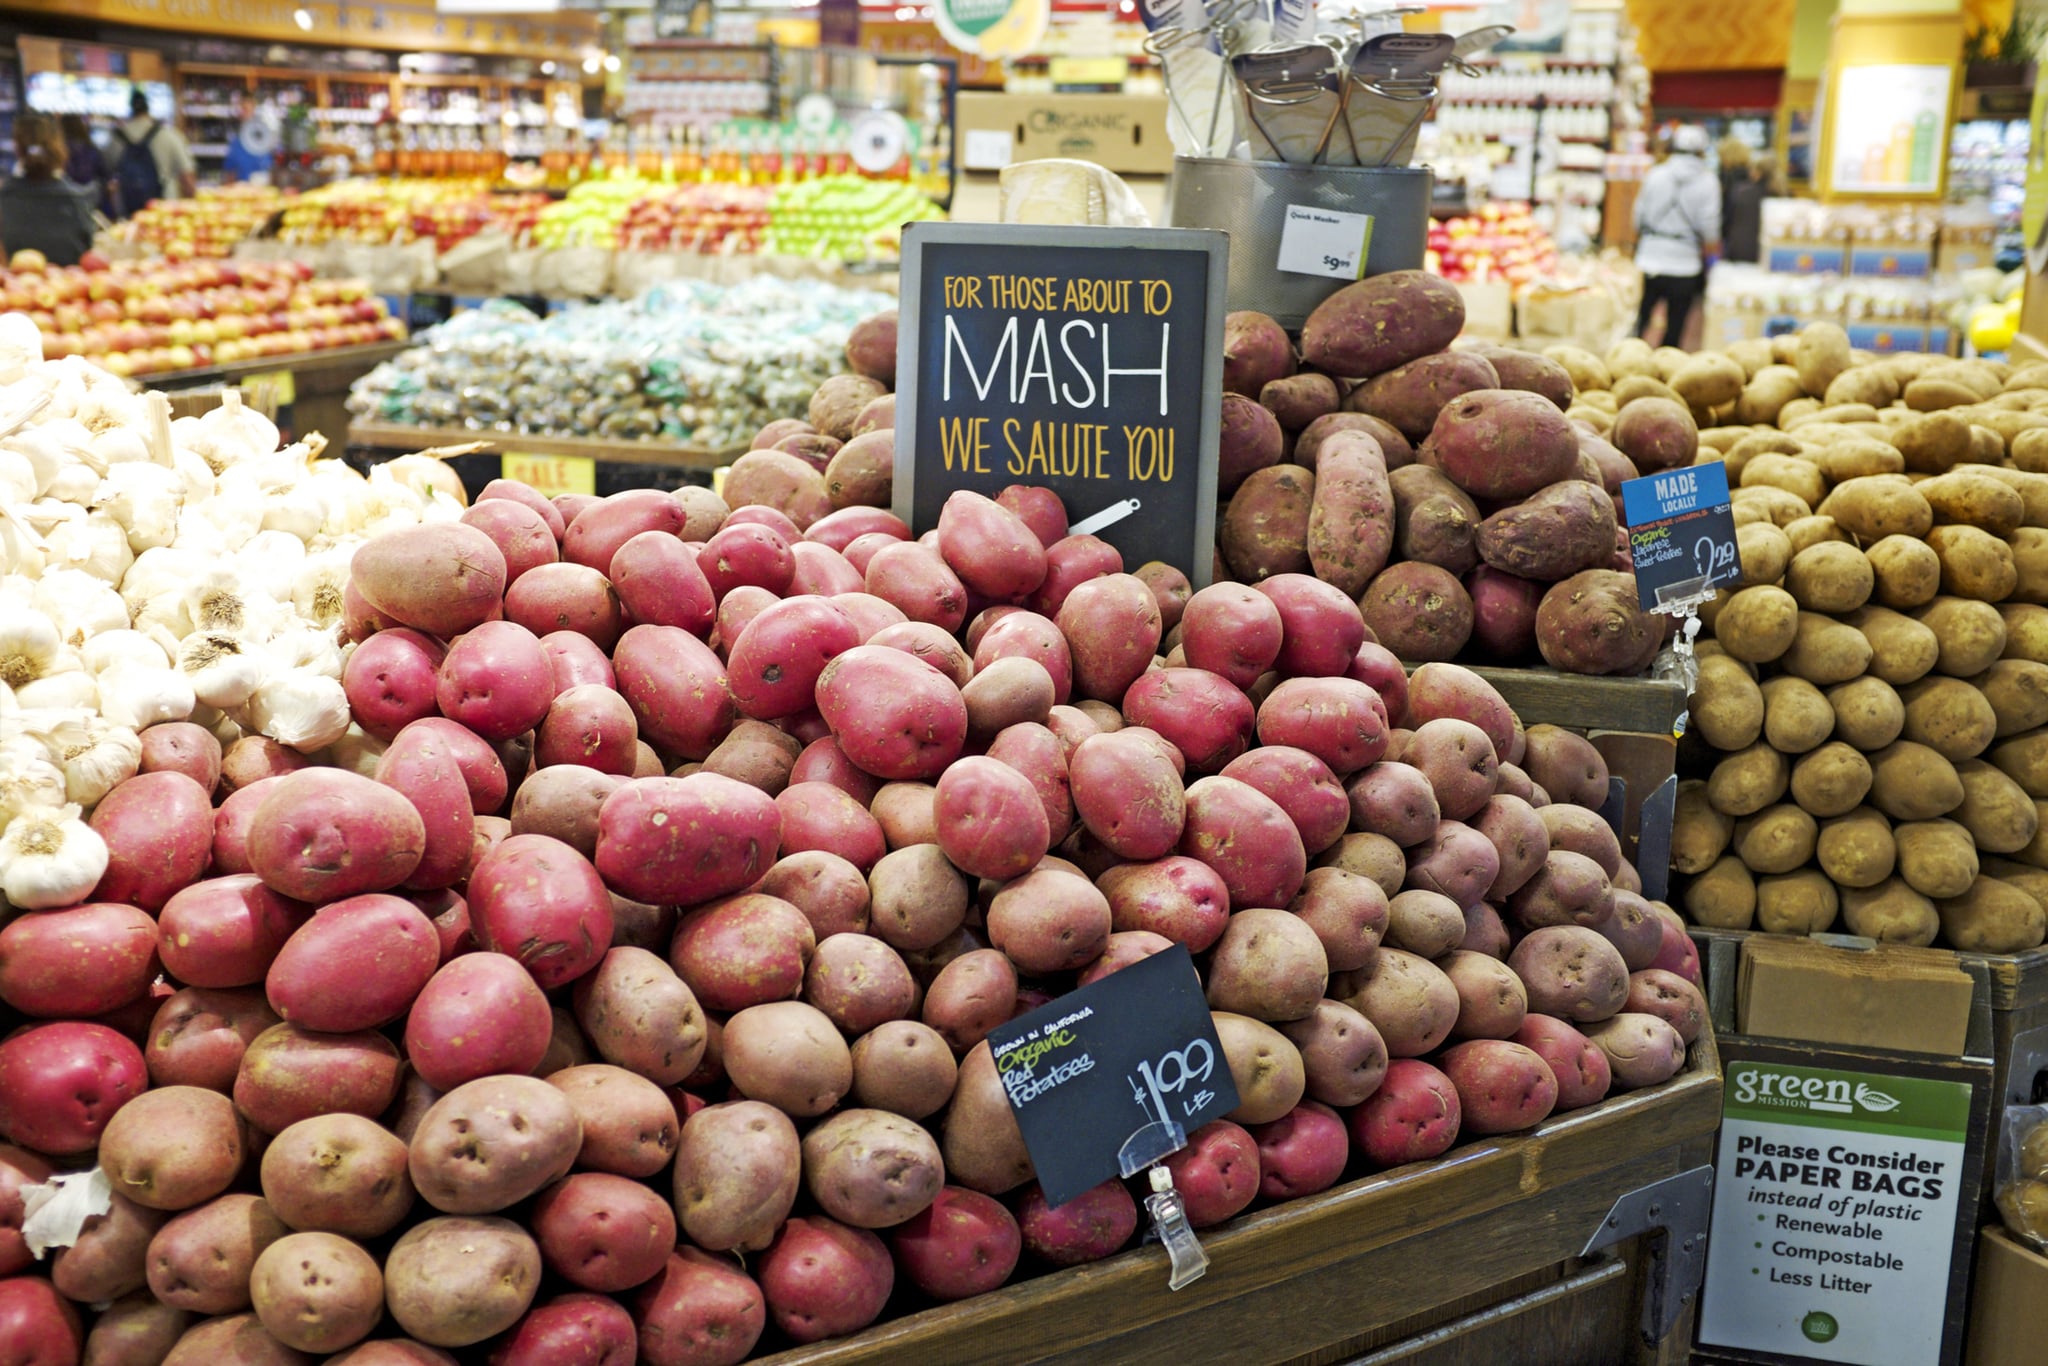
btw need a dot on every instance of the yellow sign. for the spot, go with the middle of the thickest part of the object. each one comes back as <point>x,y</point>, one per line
<point>270,392</point>
<point>549,475</point>
<point>1088,70</point>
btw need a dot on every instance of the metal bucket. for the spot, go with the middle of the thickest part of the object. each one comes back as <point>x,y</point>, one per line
<point>1249,200</point>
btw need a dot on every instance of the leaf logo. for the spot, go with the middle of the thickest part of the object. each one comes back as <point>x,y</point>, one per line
<point>1876,1101</point>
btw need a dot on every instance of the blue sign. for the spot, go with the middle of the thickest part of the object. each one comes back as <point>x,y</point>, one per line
<point>1681,533</point>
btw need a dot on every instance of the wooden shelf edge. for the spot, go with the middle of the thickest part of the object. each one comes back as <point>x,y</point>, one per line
<point>1649,706</point>
<point>394,436</point>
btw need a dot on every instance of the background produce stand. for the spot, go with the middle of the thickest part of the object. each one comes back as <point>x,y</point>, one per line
<point>1476,1257</point>
<point>611,465</point>
<point>318,382</point>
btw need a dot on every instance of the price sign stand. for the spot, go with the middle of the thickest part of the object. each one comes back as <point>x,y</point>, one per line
<point>1108,1081</point>
<point>1681,537</point>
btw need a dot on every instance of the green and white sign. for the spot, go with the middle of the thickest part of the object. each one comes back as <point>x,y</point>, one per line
<point>1835,1203</point>
<point>993,28</point>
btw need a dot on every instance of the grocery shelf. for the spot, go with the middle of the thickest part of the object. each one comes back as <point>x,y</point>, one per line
<point>397,436</point>
<point>1421,1249</point>
<point>1647,706</point>
<point>300,363</point>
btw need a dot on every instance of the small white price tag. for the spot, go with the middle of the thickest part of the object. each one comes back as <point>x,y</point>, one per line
<point>988,149</point>
<point>1325,242</point>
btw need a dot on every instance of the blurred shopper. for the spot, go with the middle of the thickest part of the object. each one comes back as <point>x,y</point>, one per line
<point>153,160</point>
<point>83,164</point>
<point>1678,226</point>
<point>1745,184</point>
<point>39,209</point>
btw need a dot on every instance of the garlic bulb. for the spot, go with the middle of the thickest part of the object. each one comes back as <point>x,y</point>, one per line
<point>235,421</point>
<point>221,672</point>
<point>318,587</point>
<point>306,648</point>
<point>95,543</point>
<point>111,648</point>
<point>221,600</point>
<point>71,689</point>
<point>306,711</point>
<point>28,645</point>
<point>114,420</point>
<point>76,483</point>
<point>80,605</point>
<point>216,722</point>
<point>44,452</point>
<point>21,546</point>
<point>19,481</point>
<point>93,754</point>
<point>141,695</point>
<point>144,500</point>
<point>49,858</point>
<point>298,510</point>
<point>271,556</point>
<point>27,781</point>
<point>21,346</point>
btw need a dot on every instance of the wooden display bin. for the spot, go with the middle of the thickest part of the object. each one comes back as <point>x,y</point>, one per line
<point>1477,1257</point>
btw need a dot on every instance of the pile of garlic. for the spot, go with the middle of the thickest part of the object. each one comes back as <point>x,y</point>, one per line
<point>154,570</point>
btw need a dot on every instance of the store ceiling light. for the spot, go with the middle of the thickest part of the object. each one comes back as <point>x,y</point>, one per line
<point>304,19</point>
<point>611,62</point>
<point>592,64</point>
<point>547,68</point>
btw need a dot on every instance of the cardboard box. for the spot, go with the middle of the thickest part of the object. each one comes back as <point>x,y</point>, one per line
<point>1122,133</point>
<point>2009,1309</point>
<point>1892,998</point>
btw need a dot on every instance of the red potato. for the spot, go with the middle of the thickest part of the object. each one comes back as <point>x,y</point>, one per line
<point>1302,1152</point>
<point>1320,628</point>
<point>849,524</point>
<point>1040,508</point>
<point>231,822</point>
<point>917,899</point>
<point>1233,631</point>
<point>1008,692</point>
<point>1520,843</point>
<point>1379,669</point>
<point>1246,837</point>
<point>109,1257</point>
<point>1256,351</point>
<point>594,536</point>
<point>1347,912</point>
<point>1034,751</point>
<point>832,893</point>
<point>525,496</point>
<point>1677,953</point>
<point>356,964</point>
<point>1502,1086</point>
<point>289,1074</point>
<point>61,1083</point>
<point>1132,946</point>
<point>422,766</point>
<point>158,829</point>
<point>1569,889</point>
<point>1571,972</point>
<point>676,687</point>
<point>1642,1050</point>
<point>225,931</point>
<point>338,1173</point>
<point>1396,800</point>
<point>574,505</point>
<point>823,572</point>
<point>743,951</point>
<point>200,1261</point>
<point>774,663</point>
<point>566,597</point>
<point>1027,635</point>
<point>1128,794</point>
<point>87,960</point>
<point>819,816</point>
<point>521,534</point>
<point>19,1169</point>
<point>1049,920</point>
<point>1269,965</point>
<point>894,715</point>
<point>747,555</point>
<point>490,1143</point>
<point>702,1310</point>
<point>859,983</point>
<point>603,1232</point>
<point>181,747</point>
<point>1169,587</point>
<point>822,1279</point>
<point>1217,1173</point>
<point>1456,862</point>
<point>586,1329</point>
<point>1413,1117</point>
<point>589,725</point>
<point>918,583</point>
<point>253,758</point>
<point>1207,718</point>
<point>453,1282</point>
<point>482,770</point>
<point>317,1292</point>
<point>1504,613</point>
<point>496,680</point>
<point>1579,1067</point>
<point>780,428</point>
<point>359,620</point>
<point>479,1014</point>
<point>543,902</point>
<point>440,578</point>
<point>991,548</point>
<point>932,644</point>
<point>1070,562</point>
<point>1112,626</point>
<point>198,1036</point>
<point>1450,690</point>
<point>1567,766</point>
<point>904,1067</point>
<point>325,834</point>
<point>1635,929</point>
<point>1180,899</point>
<point>1303,786</point>
<point>1459,762</point>
<point>659,583</point>
<point>823,761</point>
<point>1670,998</point>
<point>860,552</point>
<point>1340,721</point>
<point>681,841</point>
<point>971,996</point>
<point>134,1329</point>
<point>963,1244</point>
<point>37,1325</point>
<point>736,1174</point>
<point>1343,1058</point>
<point>990,820</point>
<point>1093,1225</point>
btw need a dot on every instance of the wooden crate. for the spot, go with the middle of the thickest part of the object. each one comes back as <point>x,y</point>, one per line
<point>1472,1258</point>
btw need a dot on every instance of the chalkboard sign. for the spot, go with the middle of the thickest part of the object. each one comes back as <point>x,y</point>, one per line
<point>1681,534</point>
<point>1103,1065</point>
<point>1085,360</point>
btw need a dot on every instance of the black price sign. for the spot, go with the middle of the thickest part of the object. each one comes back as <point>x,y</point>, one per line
<point>1681,534</point>
<point>1109,1068</point>
<point>1085,360</point>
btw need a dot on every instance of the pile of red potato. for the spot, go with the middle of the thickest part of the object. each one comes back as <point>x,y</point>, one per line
<point>1477,518</point>
<point>633,1001</point>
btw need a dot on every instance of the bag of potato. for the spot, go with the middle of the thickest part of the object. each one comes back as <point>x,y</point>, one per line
<point>2022,1182</point>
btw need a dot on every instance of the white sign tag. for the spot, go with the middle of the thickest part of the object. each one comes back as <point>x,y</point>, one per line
<point>988,149</point>
<point>1325,242</point>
